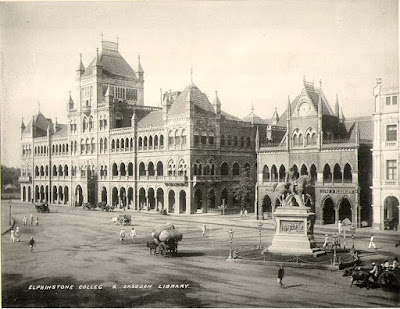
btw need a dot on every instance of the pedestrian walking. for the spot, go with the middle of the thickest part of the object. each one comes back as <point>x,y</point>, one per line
<point>25,220</point>
<point>371,242</point>
<point>339,226</point>
<point>122,235</point>
<point>241,212</point>
<point>31,219</point>
<point>326,240</point>
<point>204,230</point>
<point>17,233</point>
<point>12,236</point>
<point>133,234</point>
<point>37,221</point>
<point>395,263</point>
<point>281,274</point>
<point>245,212</point>
<point>32,243</point>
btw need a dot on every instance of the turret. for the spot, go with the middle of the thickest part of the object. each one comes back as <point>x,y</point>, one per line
<point>275,117</point>
<point>109,96</point>
<point>70,103</point>
<point>165,105</point>
<point>217,104</point>
<point>257,140</point>
<point>341,118</point>
<point>140,71</point>
<point>55,126</point>
<point>22,126</point>
<point>98,67</point>
<point>81,68</point>
<point>133,120</point>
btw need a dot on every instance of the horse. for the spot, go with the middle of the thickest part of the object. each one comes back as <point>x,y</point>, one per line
<point>152,245</point>
<point>358,276</point>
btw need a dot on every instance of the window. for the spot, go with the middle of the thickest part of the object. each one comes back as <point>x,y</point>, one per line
<point>391,170</point>
<point>204,138</point>
<point>394,100</point>
<point>391,133</point>
<point>391,100</point>
<point>387,100</point>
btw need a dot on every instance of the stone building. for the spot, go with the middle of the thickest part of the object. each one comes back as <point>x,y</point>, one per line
<point>386,158</point>
<point>333,151</point>
<point>182,156</point>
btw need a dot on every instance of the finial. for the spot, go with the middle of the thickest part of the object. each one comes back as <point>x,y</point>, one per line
<point>304,78</point>
<point>97,52</point>
<point>191,75</point>
<point>216,93</point>
<point>101,36</point>
<point>138,58</point>
<point>337,99</point>
<point>117,39</point>
<point>80,56</point>
<point>379,80</point>
<point>69,92</point>
<point>38,106</point>
<point>320,83</point>
<point>252,107</point>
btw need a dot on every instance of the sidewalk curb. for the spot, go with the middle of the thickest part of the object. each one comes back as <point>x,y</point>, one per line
<point>9,229</point>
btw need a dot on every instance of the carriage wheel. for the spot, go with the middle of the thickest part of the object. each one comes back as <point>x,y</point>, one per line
<point>388,282</point>
<point>162,249</point>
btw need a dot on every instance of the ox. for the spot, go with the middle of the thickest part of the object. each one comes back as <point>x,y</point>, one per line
<point>358,276</point>
<point>152,245</point>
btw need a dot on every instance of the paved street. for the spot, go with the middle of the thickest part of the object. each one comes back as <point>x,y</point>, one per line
<point>82,248</point>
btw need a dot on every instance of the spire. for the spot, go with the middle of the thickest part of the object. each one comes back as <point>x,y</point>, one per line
<point>275,117</point>
<point>109,95</point>
<point>81,67</point>
<point>140,69</point>
<point>337,106</point>
<point>341,115</point>
<point>191,75</point>
<point>22,124</point>
<point>289,112</point>
<point>217,103</point>
<point>320,102</point>
<point>98,62</point>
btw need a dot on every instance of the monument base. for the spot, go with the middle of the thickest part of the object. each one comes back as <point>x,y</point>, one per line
<point>295,244</point>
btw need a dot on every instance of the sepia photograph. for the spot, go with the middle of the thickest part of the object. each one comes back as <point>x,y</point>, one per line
<point>200,154</point>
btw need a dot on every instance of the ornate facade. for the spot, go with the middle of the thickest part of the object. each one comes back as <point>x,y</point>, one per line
<point>332,150</point>
<point>386,158</point>
<point>182,156</point>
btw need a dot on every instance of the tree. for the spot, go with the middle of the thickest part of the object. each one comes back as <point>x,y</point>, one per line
<point>9,176</point>
<point>243,191</point>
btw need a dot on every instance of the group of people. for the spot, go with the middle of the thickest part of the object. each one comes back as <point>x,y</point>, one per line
<point>15,235</point>
<point>132,234</point>
<point>243,212</point>
<point>384,266</point>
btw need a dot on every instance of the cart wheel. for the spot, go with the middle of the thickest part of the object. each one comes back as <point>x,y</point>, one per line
<point>162,249</point>
<point>388,282</point>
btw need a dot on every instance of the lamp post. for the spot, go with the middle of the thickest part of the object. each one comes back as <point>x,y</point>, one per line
<point>230,233</point>
<point>259,224</point>
<point>334,239</point>
<point>353,231</point>
<point>10,212</point>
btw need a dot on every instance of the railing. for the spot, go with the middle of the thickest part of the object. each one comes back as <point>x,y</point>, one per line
<point>338,141</point>
<point>391,144</point>
<point>206,178</point>
<point>25,179</point>
<point>389,182</point>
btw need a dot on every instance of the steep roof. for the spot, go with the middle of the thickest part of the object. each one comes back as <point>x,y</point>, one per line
<point>114,65</point>
<point>192,93</point>
<point>365,126</point>
<point>40,122</point>
<point>254,119</point>
<point>154,119</point>
<point>62,131</point>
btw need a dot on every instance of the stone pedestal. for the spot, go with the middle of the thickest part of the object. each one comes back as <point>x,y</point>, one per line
<point>293,232</point>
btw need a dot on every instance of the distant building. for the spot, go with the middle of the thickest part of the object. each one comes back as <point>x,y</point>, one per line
<point>386,158</point>
<point>335,152</point>
<point>182,156</point>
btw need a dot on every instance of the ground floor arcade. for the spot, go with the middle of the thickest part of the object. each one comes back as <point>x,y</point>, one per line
<point>386,209</point>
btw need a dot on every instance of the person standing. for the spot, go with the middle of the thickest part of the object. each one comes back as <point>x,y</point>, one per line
<point>374,272</point>
<point>133,234</point>
<point>25,220</point>
<point>325,241</point>
<point>339,226</point>
<point>371,242</point>
<point>12,236</point>
<point>204,230</point>
<point>17,233</point>
<point>281,274</point>
<point>122,235</point>
<point>395,263</point>
<point>37,221</point>
<point>245,212</point>
<point>31,219</point>
<point>32,243</point>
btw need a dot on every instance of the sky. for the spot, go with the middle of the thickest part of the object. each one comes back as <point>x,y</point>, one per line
<point>252,52</point>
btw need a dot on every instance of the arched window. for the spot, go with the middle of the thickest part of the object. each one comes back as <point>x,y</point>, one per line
<point>170,138</point>
<point>93,148</point>
<point>66,170</point>
<point>150,169</point>
<point>313,172</point>
<point>348,177</point>
<point>87,145</point>
<point>274,173</point>
<point>303,170</point>
<point>60,170</point>
<point>117,144</point>
<point>224,169</point>
<point>171,168</point>
<point>101,126</point>
<point>75,146</point>
<point>236,169</point>
<point>235,141</point>
<point>204,138</point>
<point>196,138</point>
<point>122,169</point>
<point>156,141</point>
<point>105,144</point>
<point>313,139</point>
<point>101,145</point>
<point>222,140</point>
<point>282,173</point>
<point>130,169</point>
<point>161,141</point>
<point>300,139</point>
<point>327,174</point>
<point>150,142</point>
<point>122,144</point>
<point>84,124</point>
<point>131,144</point>
<point>242,141</point>
<point>90,123</point>
<point>294,140</point>
<point>47,170</point>
<point>177,138</point>
<point>114,169</point>
<point>42,171</point>
<point>337,174</point>
<point>54,170</point>
<point>126,144</point>
<point>266,176</point>
<point>295,171</point>
<point>183,137</point>
<point>248,141</point>
<point>181,168</point>
<point>229,140</point>
<point>160,169</point>
<point>140,142</point>
<point>246,169</point>
<point>142,169</point>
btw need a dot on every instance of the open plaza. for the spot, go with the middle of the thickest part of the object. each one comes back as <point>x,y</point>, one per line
<point>79,261</point>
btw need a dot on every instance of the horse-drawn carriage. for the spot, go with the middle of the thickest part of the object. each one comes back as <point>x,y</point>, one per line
<point>89,206</point>
<point>104,207</point>
<point>43,207</point>
<point>387,279</point>
<point>165,240</point>
<point>124,219</point>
